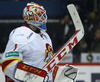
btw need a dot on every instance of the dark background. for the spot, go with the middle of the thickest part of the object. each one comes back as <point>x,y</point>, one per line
<point>89,12</point>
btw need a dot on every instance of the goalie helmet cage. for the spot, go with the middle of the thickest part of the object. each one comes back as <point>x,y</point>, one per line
<point>79,33</point>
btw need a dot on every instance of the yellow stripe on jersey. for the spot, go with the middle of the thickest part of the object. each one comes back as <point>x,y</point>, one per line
<point>9,65</point>
<point>8,62</point>
<point>11,59</point>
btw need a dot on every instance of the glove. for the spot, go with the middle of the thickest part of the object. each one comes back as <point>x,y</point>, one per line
<point>65,73</point>
<point>27,73</point>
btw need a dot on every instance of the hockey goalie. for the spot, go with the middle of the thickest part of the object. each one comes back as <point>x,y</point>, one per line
<point>29,48</point>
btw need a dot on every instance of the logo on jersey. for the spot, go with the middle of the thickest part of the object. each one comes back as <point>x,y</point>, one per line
<point>12,54</point>
<point>48,53</point>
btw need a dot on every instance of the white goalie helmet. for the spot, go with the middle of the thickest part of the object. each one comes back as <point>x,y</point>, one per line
<point>35,14</point>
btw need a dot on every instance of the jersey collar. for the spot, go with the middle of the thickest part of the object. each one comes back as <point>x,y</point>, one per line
<point>25,25</point>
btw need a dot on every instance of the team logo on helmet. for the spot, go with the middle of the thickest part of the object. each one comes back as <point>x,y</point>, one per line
<point>29,13</point>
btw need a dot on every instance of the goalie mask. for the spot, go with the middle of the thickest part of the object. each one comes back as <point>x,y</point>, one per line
<point>35,14</point>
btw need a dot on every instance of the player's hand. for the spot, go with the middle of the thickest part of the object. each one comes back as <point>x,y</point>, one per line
<point>70,72</point>
<point>29,73</point>
<point>65,73</point>
<point>32,78</point>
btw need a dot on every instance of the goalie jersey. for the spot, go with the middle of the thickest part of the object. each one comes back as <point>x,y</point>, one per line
<point>27,46</point>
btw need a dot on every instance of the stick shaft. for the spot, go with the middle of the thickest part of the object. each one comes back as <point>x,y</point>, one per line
<point>79,33</point>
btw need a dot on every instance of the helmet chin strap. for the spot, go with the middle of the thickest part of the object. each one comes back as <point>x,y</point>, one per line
<point>41,26</point>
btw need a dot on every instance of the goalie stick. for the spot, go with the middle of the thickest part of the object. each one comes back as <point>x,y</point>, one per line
<point>79,33</point>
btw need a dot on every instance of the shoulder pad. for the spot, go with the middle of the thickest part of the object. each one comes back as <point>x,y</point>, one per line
<point>22,35</point>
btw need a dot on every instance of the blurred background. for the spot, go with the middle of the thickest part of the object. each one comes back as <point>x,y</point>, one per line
<point>59,26</point>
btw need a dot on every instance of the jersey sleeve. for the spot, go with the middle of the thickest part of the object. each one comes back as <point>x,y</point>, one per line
<point>13,54</point>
